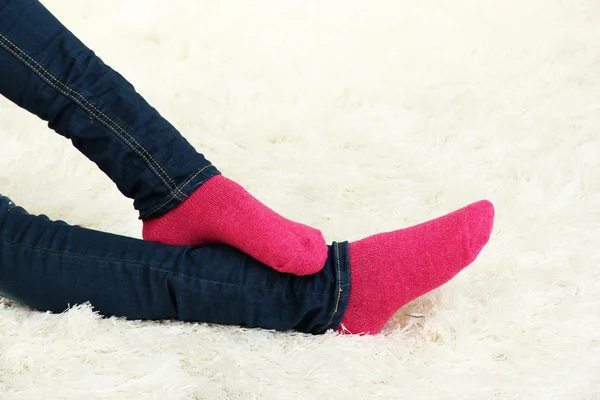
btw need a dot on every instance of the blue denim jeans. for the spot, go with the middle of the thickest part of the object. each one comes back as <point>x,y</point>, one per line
<point>45,69</point>
<point>50,266</point>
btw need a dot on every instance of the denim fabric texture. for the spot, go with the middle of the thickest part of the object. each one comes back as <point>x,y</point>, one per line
<point>51,266</point>
<point>46,70</point>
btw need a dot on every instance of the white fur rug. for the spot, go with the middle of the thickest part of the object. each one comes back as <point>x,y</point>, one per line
<point>355,117</point>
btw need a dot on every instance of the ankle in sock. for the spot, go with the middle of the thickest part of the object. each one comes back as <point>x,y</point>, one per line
<point>391,269</point>
<point>221,211</point>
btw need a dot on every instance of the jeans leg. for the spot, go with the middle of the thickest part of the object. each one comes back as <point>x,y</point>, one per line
<point>51,265</point>
<point>45,69</point>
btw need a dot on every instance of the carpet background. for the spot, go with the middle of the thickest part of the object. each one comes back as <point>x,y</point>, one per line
<point>355,117</point>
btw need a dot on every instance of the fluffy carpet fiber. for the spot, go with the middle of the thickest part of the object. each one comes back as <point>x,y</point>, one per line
<point>355,117</point>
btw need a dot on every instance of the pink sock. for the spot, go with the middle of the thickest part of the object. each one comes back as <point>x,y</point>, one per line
<point>391,269</point>
<point>221,211</point>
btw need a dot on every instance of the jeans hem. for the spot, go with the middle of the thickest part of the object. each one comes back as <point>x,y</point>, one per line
<point>171,201</point>
<point>341,294</point>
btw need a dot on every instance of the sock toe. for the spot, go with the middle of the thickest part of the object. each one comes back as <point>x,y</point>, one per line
<point>312,257</point>
<point>480,222</point>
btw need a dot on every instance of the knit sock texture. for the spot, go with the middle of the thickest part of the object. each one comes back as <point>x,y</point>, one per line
<point>391,269</point>
<point>221,211</point>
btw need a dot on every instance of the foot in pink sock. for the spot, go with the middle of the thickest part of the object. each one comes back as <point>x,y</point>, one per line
<point>221,211</point>
<point>391,269</point>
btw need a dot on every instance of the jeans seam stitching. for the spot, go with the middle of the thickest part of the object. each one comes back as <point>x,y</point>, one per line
<point>182,187</point>
<point>100,116</point>
<point>339,285</point>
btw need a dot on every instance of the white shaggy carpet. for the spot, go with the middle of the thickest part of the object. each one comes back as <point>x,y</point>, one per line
<point>355,117</point>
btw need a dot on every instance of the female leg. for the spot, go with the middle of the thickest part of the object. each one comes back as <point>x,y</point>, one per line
<point>51,266</point>
<point>180,195</point>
